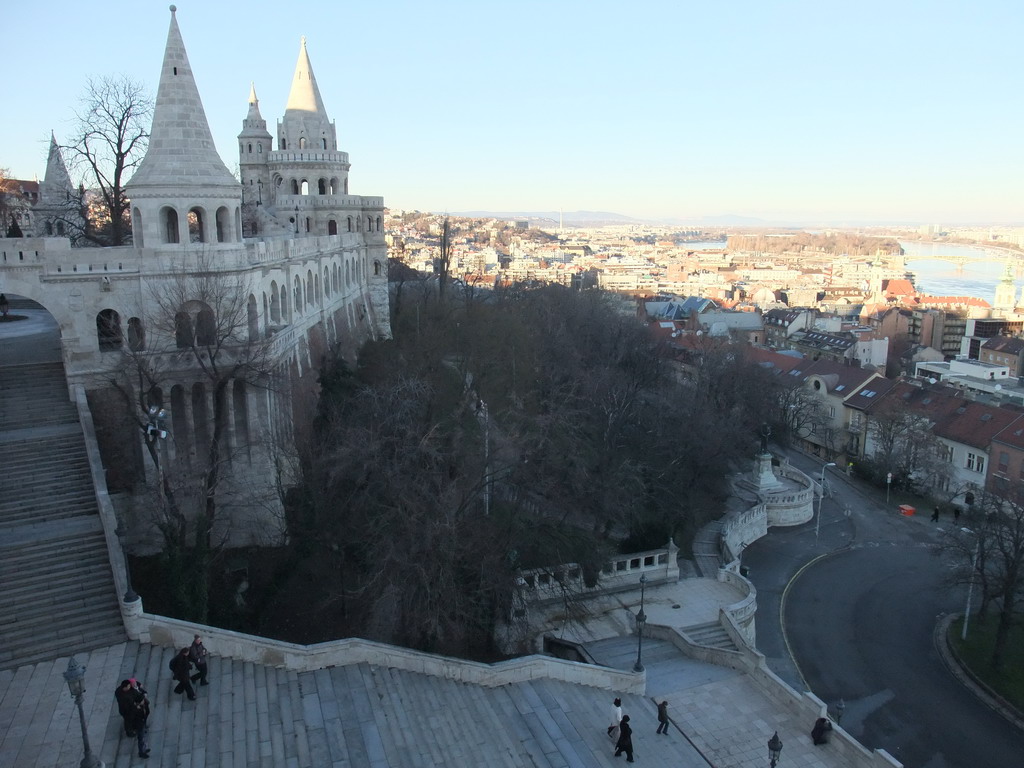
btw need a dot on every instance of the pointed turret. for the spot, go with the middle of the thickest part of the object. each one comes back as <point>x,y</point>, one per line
<point>57,213</point>
<point>304,95</point>
<point>56,186</point>
<point>181,148</point>
<point>305,124</point>
<point>254,147</point>
<point>182,173</point>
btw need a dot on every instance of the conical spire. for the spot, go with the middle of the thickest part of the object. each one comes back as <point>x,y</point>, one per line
<point>56,186</point>
<point>305,95</point>
<point>181,149</point>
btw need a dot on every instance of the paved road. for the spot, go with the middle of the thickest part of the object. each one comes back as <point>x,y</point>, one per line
<point>861,622</point>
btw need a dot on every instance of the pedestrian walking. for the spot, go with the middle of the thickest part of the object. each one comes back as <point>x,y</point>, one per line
<point>625,742</point>
<point>663,718</point>
<point>197,655</point>
<point>138,718</point>
<point>820,731</point>
<point>180,667</point>
<point>613,729</point>
<point>125,702</point>
<point>935,514</point>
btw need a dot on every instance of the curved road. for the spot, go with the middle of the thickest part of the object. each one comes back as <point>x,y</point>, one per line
<point>860,622</point>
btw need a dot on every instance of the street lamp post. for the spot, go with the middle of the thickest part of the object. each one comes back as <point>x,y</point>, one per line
<point>970,584</point>
<point>130,595</point>
<point>774,749</point>
<point>821,499</point>
<point>640,619</point>
<point>75,677</point>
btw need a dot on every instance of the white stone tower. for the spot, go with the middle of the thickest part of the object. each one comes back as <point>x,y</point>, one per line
<point>56,214</point>
<point>1005,297</point>
<point>254,146</point>
<point>304,188</point>
<point>182,192</point>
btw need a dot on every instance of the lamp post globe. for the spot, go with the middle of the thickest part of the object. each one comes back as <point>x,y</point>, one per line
<point>74,675</point>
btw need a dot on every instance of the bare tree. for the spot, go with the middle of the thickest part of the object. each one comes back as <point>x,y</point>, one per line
<point>991,556</point>
<point>200,329</point>
<point>108,141</point>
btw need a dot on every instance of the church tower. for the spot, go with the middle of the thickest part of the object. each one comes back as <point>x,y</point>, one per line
<point>56,214</point>
<point>182,192</point>
<point>1005,297</point>
<point>305,180</point>
<point>254,146</point>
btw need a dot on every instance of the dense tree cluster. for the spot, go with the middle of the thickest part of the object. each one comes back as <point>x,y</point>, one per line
<point>528,430</point>
<point>831,244</point>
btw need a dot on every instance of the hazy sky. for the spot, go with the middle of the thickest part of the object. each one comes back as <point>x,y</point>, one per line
<point>895,110</point>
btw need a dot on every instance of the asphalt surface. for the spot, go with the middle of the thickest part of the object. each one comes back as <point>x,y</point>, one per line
<point>859,607</point>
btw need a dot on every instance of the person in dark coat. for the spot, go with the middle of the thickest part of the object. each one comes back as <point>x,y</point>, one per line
<point>663,718</point>
<point>197,655</point>
<point>625,742</point>
<point>819,733</point>
<point>123,694</point>
<point>180,667</point>
<point>138,715</point>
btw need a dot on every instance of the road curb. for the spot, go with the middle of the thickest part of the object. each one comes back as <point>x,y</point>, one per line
<point>968,679</point>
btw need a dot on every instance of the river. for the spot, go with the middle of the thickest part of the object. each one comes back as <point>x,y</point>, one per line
<point>944,278</point>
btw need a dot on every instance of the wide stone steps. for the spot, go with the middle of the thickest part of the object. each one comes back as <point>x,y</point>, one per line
<point>712,635</point>
<point>57,592</point>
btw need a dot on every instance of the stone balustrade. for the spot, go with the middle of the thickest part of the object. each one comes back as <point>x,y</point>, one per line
<point>543,585</point>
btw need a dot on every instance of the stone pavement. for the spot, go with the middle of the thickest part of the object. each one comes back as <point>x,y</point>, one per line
<point>365,715</point>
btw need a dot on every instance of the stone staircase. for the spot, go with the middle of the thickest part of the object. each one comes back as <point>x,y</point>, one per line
<point>712,635</point>
<point>57,592</point>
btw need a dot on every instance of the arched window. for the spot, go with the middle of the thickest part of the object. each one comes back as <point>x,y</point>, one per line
<point>136,334</point>
<point>332,227</point>
<point>108,330</point>
<point>275,305</point>
<point>183,335</point>
<point>240,401</point>
<point>222,224</point>
<point>137,227</point>
<point>254,319</point>
<point>206,328</point>
<point>180,431</point>
<point>201,420</point>
<point>196,226</point>
<point>169,218</point>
